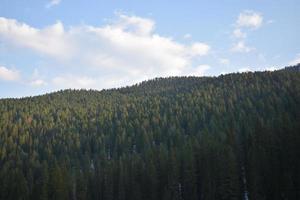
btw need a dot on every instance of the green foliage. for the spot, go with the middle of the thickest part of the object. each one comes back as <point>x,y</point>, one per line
<point>172,138</point>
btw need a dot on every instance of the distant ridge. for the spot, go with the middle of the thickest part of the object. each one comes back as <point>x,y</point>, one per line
<point>168,83</point>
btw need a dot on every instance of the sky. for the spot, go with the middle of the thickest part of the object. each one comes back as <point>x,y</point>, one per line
<point>49,45</point>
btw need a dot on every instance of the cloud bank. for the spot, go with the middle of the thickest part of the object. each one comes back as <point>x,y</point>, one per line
<point>124,51</point>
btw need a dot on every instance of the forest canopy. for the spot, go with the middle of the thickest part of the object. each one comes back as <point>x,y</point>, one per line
<point>234,136</point>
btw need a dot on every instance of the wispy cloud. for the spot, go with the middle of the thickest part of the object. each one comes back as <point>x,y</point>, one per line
<point>241,47</point>
<point>187,36</point>
<point>52,3</point>
<point>37,80</point>
<point>246,21</point>
<point>9,74</point>
<point>74,81</point>
<point>249,19</point>
<point>224,61</point>
<point>238,33</point>
<point>37,83</point>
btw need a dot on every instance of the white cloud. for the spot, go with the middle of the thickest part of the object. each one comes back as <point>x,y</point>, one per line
<point>38,83</point>
<point>271,68</point>
<point>137,25</point>
<point>127,47</point>
<point>53,3</point>
<point>51,40</point>
<point>37,80</point>
<point>199,49</point>
<point>245,69</point>
<point>249,19</point>
<point>237,33</point>
<point>224,61</point>
<point>295,61</point>
<point>187,36</point>
<point>241,48</point>
<point>9,74</point>
<point>246,21</point>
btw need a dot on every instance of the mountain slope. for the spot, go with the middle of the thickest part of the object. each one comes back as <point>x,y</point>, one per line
<point>172,138</point>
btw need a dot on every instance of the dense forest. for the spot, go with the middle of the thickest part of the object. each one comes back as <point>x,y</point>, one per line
<point>235,136</point>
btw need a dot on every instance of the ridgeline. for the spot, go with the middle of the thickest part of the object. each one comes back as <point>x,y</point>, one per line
<point>234,136</point>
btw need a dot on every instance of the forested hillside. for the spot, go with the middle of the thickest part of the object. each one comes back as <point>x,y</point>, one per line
<point>235,136</point>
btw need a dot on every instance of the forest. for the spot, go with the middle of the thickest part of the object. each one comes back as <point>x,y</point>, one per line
<point>234,136</point>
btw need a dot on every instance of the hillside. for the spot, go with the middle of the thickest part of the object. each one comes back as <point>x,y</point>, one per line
<point>234,136</point>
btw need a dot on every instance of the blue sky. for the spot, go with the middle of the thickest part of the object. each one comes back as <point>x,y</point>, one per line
<point>50,45</point>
